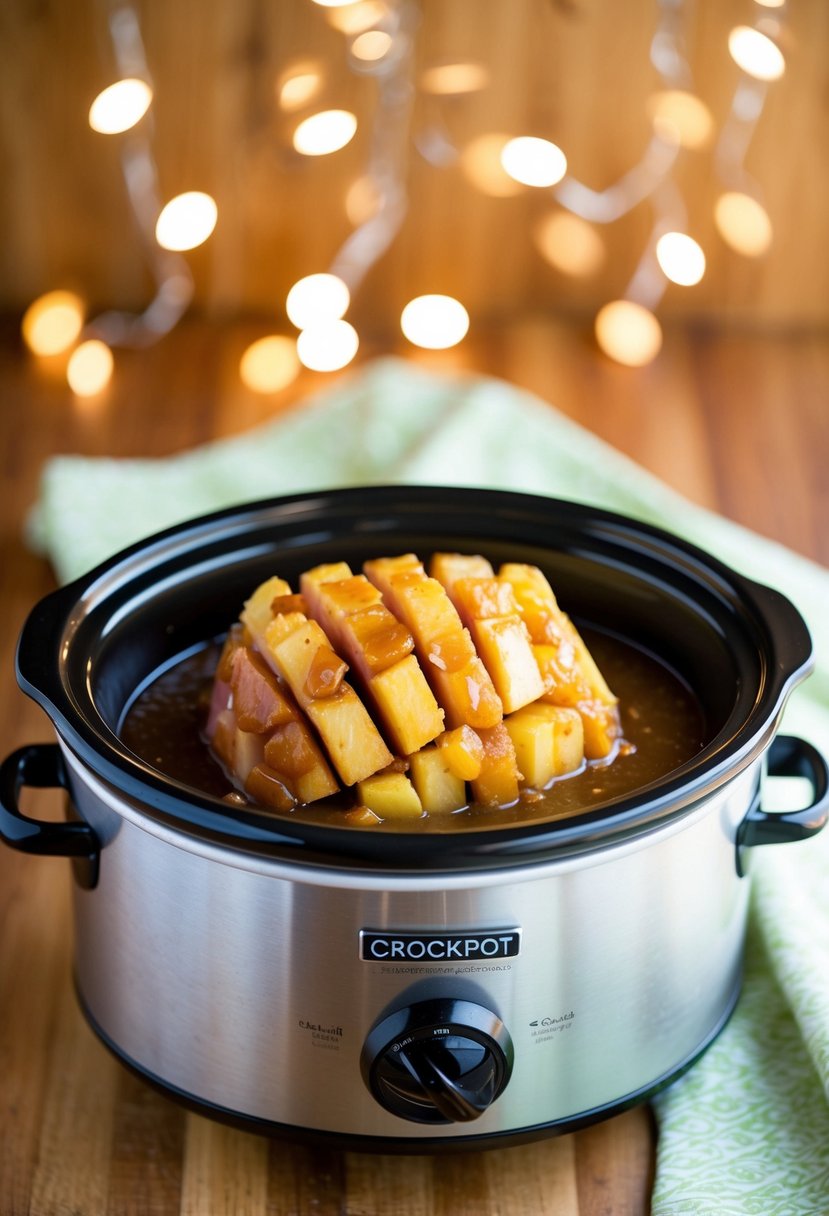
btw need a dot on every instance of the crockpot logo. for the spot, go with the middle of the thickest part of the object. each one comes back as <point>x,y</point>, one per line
<point>387,947</point>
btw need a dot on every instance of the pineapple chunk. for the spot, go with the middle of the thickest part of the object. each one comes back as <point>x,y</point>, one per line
<point>258,613</point>
<point>390,795</point>
<point>439,789</point>
<point>497,782</point>
<point>489,609</point>
<point>350,737</point>
<point>463,752</point>
<point>379,647</point>
<point>407,706</point>
<point>268,788</point>
<point>569,671</point>
<point>447,568</point>
<point>459,679</point>
<point>548,741</point>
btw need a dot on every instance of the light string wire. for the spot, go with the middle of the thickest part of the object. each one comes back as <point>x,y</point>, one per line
<point>171,274</point>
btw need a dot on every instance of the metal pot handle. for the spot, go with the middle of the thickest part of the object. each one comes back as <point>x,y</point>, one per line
<point>41,766</point>
<point>789,756</point>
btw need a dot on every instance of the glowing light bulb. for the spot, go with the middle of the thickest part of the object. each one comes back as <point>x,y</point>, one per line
<point>120,106</point>
<point>90,368</point>
<point>681,258</point>
<point>301,85</point>
<point>354,18</point>
<point>325,132</point>
<point>317,298</point>
<point>481,164</point>
<point>743,223</point>
<point>435,322</point>
<point>447,79</point>
<point>335,3</point>
<point>363,200</point>
<point>327,346</point>
<point>628,333</point>
<point>186,221</point>
<point>755,53</point>
<point>569,244</point>
<point>533,161</point>
<point>269,364</point>
<point>52,322</point>
<point>681,117</point>
<point>371,45</point>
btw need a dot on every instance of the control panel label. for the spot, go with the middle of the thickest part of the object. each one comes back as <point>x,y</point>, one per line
<point>377,946</point>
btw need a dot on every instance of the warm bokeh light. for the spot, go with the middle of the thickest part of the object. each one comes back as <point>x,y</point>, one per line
<point>269,364</point>
<point>481,165</point>
<point>770,3</point>
<point>328,346</point>
<point>356,17</point>
<point>371,45</point>
<point>628,333</point>
<point>435,322</point>
<point>533,161</point>
<point>315,299</point>
<point>120,106</point>
<point>681,258</point>
<point>569,244</point>
<point>450,79</point>
<point>52,322</point>
<point>325,132</point>
<point>90,368</point>
<point>363,199</point>
<point>743,223</point>
<point>186,221</point>
<point>681,117</point>
<point>299,86</point>
<point>755,53</point>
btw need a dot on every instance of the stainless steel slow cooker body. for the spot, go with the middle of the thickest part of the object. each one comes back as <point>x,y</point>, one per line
<point>404,990</point>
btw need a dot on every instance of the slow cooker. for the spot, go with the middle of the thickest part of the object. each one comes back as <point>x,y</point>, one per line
<point>410,991</point>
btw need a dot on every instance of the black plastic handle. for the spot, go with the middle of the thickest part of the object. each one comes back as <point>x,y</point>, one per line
<point>41,766</point>
<point>789,756</point>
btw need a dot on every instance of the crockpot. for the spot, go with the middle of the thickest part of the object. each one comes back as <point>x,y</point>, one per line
<point>410,991</point>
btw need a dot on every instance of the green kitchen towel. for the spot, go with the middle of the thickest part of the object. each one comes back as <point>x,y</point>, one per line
<point>746,1130</point>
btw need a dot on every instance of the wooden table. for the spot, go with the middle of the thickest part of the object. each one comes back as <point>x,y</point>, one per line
<point>737,423</point>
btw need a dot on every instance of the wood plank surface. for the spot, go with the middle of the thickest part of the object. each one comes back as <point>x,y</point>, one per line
<point>737,423</point>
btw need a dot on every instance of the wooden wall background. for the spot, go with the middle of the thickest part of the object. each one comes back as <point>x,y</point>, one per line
<point>576,71</point>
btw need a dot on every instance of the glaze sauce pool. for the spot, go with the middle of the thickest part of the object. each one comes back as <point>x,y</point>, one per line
<point>662,725</point>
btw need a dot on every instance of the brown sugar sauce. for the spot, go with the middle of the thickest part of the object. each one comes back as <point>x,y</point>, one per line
<point>662,728</point>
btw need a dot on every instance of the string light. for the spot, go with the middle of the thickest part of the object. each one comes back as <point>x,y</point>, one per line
<point>451,79</point>
<point>186,221</point>
<point>435,322</point>
<point>90,368</point>
<point>533,161</point>
<point>298,86</point>
<point>327,346</point>
<point>569,244</point>
<point>269,364</point>
<point>120,107</point>
<point>371,45</point>
<point>325,132</point>
<point>317,298</point>
<point>628,332</point>
<point>681,258</point>
<point>743,223</point>
<point>681,117</point>
<point>51,324</point>
<point>755,53</point>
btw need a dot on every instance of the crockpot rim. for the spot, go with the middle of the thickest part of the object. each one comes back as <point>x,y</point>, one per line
<point>201,815</point>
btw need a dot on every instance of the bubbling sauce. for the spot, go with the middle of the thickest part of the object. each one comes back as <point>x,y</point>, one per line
<point>662,727</point>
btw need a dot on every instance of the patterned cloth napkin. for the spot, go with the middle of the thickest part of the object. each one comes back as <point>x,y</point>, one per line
<point>746,1130</point>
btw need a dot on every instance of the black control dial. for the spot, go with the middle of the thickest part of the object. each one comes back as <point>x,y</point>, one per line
<point>438,1061</point>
